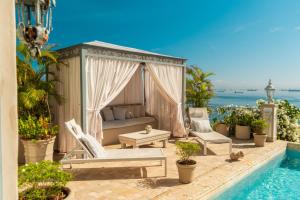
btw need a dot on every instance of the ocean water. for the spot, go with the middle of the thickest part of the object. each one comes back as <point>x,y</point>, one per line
<point>249,97</point>
<point>278,179</point>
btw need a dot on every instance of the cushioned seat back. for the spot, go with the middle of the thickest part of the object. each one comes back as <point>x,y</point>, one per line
<point>132,111</point>
<point>199,113</point>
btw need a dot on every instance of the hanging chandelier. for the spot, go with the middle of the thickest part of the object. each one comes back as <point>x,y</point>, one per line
<point>34,23</point>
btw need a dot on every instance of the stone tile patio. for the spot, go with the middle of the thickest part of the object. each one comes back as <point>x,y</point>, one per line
<point>145,180</point>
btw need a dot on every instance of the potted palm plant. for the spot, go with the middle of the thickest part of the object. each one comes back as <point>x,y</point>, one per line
<point>185,165</point>
<point>35,86</point>
<point>260,136</point>
<point>43,180</point>
<point>37,136</point>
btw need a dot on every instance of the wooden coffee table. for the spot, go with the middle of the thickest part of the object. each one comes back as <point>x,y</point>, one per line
<point>139,138</point>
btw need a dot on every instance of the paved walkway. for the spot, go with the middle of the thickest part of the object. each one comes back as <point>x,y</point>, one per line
<point>144,180</point>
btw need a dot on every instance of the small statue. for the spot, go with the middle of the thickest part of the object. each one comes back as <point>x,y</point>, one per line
<point>148,129</point>
<point>236,156</point>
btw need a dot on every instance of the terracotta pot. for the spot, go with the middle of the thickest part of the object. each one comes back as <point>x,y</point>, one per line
<point>223,129</point>
<point>70,193</point>
<point>242,132</point>
<point>186,172</point>
<point>259,139</point>
<point>38,150</point>
<point>65,190</point>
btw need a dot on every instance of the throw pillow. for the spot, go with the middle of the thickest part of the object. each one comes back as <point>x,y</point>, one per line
<point>202,126</point>
<point>129,115</point>
<point>119,113</point>
<point>143,111</point>
<point>137,111</point>
<point>108,115</point>
<point>93,145</point>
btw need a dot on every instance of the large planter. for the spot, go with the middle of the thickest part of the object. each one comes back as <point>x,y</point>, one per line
<point>38,150</point>
<point>223,129</point>
<point>259,139</point>
<point>186,172</point>
<point>65,190</point>
<point>242,132</point>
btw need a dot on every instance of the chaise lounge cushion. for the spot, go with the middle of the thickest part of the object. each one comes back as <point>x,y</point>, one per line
<point>127,122</point>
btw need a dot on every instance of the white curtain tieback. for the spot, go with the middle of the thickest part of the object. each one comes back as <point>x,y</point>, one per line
<point>93,110</point>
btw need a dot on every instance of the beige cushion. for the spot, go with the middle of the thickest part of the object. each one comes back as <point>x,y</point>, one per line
<point>101,112</point>
<point>137,111</point>
<point>202,126</point>
<point>127,122</point>
<point>93,145</point>
<point>143,111</point>
<point>200,113</point>
<point>129,115</point>
<point>108,115</point>
<point>119,113</point>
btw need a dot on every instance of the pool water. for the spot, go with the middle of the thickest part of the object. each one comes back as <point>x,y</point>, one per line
<point>278,179</point>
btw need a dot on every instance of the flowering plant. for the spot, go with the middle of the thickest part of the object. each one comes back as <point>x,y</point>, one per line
<point>288,116</point>
<point>43,180</point>
<point>32,128</point>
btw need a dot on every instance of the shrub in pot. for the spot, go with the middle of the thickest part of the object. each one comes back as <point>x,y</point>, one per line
<point>37,136</point>
<point>222,121</point>
<point>258,127</point>
<point>243,122</point>
<point>43,180</point>
<point>185,165</point>
<point>222,128</point>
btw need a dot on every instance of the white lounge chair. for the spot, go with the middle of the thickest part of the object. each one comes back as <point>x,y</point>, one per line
<point>200,115</point>
<point>110,155</point>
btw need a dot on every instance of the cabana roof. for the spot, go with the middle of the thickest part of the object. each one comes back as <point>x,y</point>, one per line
<point>118,48</point>
<point>97,43</point>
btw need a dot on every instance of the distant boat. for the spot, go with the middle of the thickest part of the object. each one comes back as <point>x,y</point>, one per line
<point>252,90</point>
<point>221,90</point>
<point>238,92</point>
<point>294,90</point>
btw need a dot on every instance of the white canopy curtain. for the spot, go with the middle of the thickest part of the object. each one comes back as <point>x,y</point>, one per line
<point>106,78</point>
<point>169,81</point>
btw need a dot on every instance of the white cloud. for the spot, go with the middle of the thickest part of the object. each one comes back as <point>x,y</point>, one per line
<point>245,26</point>
<point>239,29</point>
<point>297,28</point>
<point>276,29</point>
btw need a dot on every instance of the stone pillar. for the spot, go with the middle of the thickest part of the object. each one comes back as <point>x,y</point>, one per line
<point>8,102</point>
<point>269,113</point>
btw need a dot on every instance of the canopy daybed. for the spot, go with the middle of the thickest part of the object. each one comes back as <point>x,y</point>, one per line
<point>97,76</point>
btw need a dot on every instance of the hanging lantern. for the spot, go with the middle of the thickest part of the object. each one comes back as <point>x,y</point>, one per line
<point>34,23</point>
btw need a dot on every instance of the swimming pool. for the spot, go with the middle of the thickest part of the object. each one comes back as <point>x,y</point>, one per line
<point>278,179</point>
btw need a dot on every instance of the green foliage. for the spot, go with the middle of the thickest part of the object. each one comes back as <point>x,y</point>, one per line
<point>199,89</point>
<point>244,117</point>
<point>186,149</point>
<point>258,126</point>
<point>31,128</point>
<point>288,116</point>
<point>236,115</point>
<point>35,86</point>
<point>42,180</point>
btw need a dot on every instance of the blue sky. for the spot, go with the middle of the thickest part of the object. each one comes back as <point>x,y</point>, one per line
<point>244,42</point>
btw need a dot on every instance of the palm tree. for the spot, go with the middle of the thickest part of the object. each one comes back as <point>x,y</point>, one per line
<point>35,86</point>
<point>199,89</point>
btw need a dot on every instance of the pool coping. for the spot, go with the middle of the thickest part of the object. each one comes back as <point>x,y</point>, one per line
<point>246,172</point>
